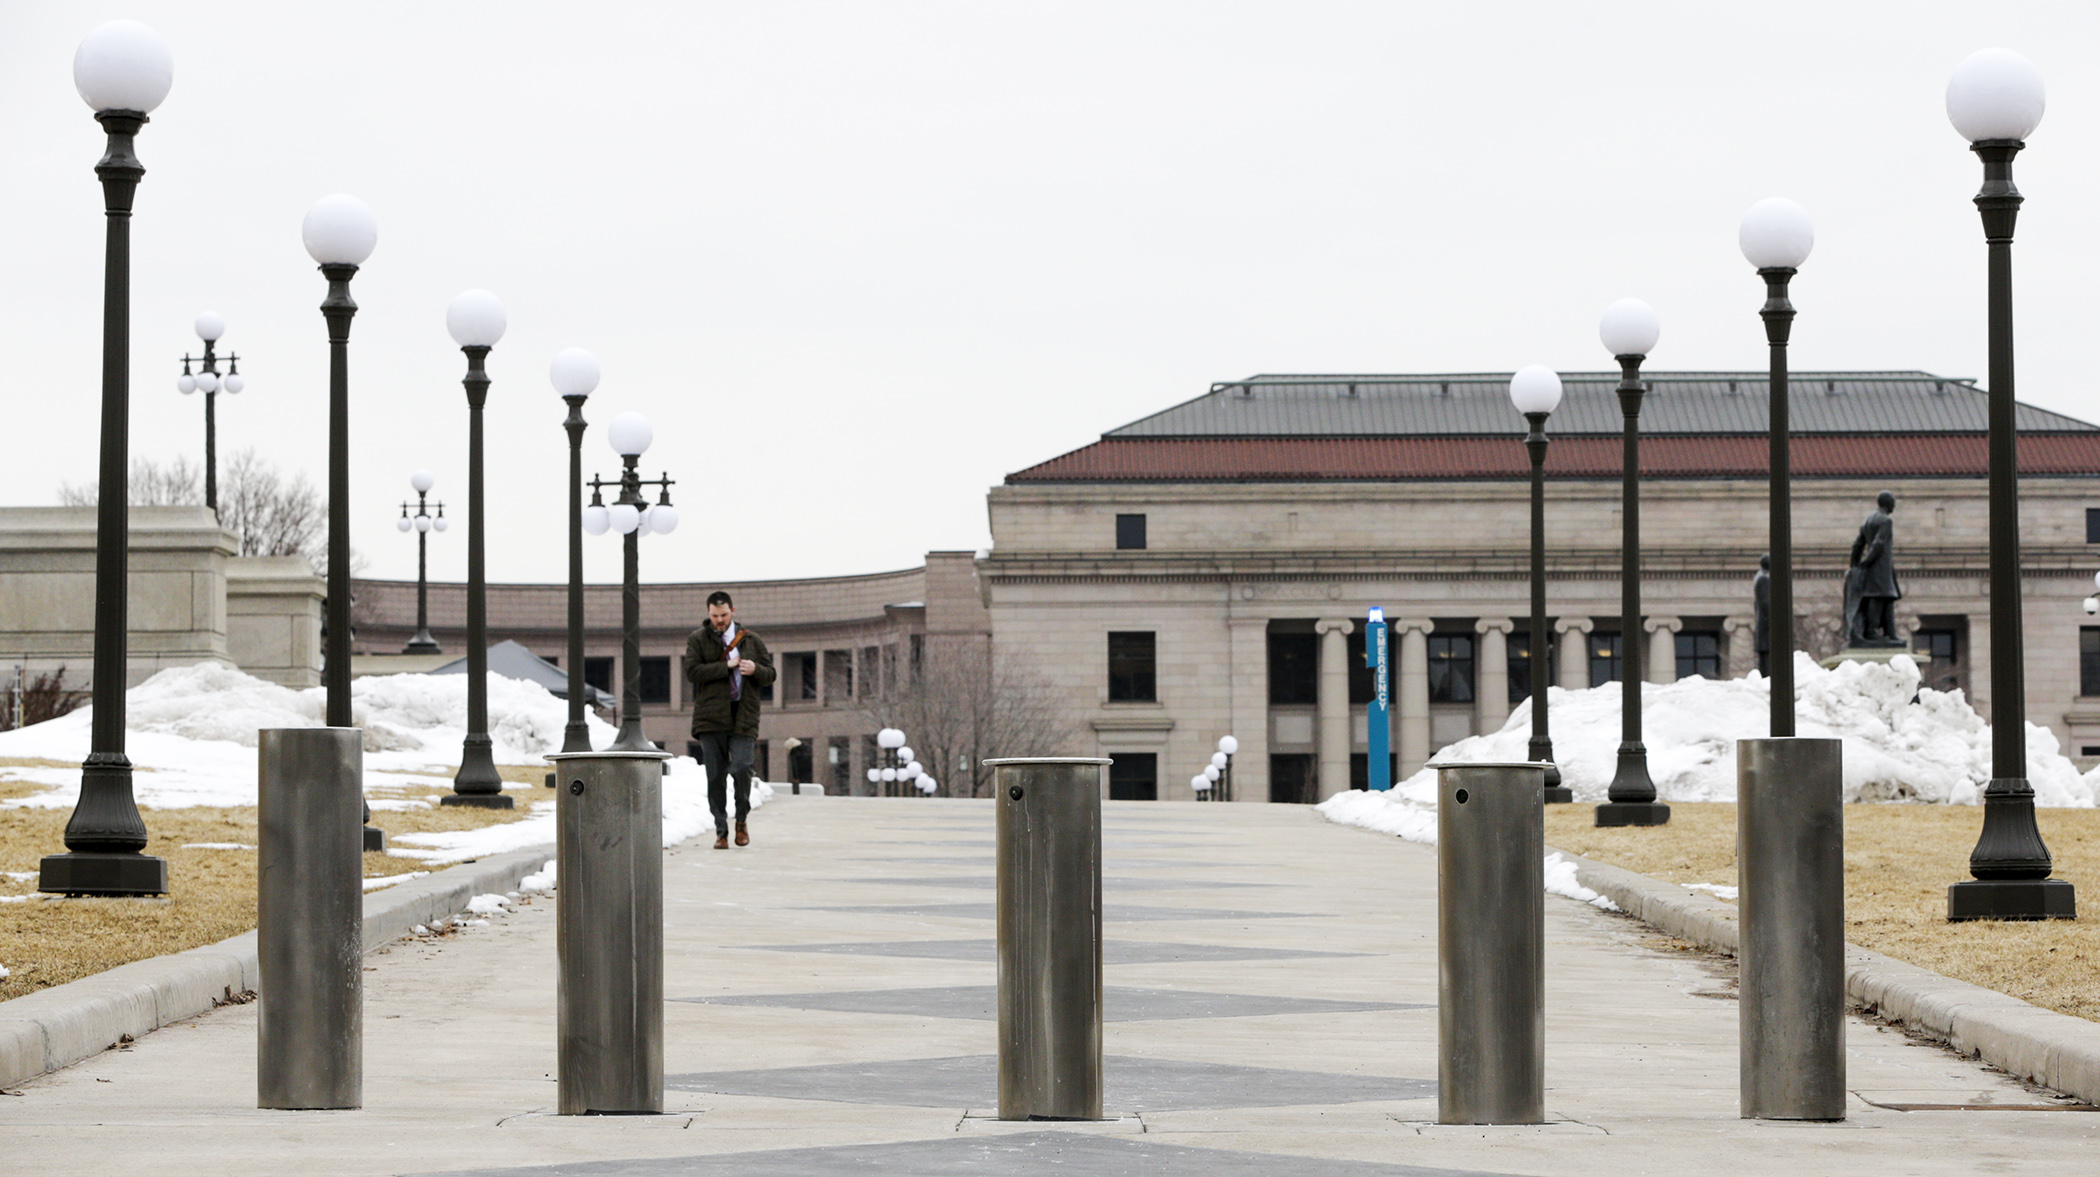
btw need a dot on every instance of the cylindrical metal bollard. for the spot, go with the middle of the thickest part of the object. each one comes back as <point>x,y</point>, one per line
<point>310,918</point>
<point>609,932</point>
<point>1491,943</point>
<point>1790,854</point>
<point>1049,930</point>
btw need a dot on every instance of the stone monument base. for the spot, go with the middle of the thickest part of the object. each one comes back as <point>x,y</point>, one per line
<point>1874,654</point>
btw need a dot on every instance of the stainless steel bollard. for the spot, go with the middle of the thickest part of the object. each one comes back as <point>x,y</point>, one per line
<point>1790,854</point>
<point>1491,943</point>
<point>1049,920</point>
<point>609,932</point>
<point>310,918</point>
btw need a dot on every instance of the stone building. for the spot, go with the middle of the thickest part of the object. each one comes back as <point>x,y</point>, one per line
<point>1204,570</point>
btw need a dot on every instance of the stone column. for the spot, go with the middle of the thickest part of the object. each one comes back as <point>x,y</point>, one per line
<point>1574,652</point>
<point>1333,721</point>
<point>1413,703</point>
<point>1660,644</point>
<point>1742,646</point>
<point>1249,714</point>
<point>1491,699</point>
<point>1978,653</point>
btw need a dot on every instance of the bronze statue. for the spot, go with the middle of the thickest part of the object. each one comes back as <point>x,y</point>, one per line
<point>1871,591</point>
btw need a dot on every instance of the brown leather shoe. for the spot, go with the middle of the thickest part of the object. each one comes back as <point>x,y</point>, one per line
<point>743,836</point>
<point>721,841</point>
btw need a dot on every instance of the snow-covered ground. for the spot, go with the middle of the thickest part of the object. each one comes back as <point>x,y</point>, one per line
<point>1934,750</point>
<point>191,734</point>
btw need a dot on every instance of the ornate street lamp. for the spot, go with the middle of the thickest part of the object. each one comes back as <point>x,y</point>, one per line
<point>1629,330</point>
<point>1995,101</point>
<point>574,374</point>
<point>1776,237</point>
<point>476,321</point>
<point>1535,391</point>
<point>1228,746</point>
<point>633,517</point>
<point>208,381</point>
<point>891,741</point>
<point>340,233</point>
<point>422,523</point>
<point>123,70</point>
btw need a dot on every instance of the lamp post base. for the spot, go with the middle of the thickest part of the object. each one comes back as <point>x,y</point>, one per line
<point>2006,899</point>
<point>88,873</point>
<point>479,800</point>
<point>422,643</point>
<point>1633,813</point>
<point>1559,795</point>
<point>375,839</point>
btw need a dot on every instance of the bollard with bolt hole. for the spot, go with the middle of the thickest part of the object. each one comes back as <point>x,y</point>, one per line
<point>1491,943</point>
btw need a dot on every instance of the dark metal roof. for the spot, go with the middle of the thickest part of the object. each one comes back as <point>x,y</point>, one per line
<point>1691,404</point>
<point>1402,459</point>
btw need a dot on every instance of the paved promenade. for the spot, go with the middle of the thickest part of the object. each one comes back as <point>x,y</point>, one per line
<point>1271,990</point>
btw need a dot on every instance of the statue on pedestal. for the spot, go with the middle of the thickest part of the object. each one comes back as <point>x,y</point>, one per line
<point>1871,591</point>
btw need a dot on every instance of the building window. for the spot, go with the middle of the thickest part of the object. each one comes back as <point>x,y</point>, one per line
<point>1519,651</point>
<point>1294,668</point>
<point>2089,660</point>
<point>841,756</point>
<point>1604,658</point>
<point>918,657</point>
<point>551,659</point>
<point>1134,776</point>
<point>1132,676</point>
<point>802,674</point>
<point>2092,525</point>
<point>1363,681</point>
<point>1130,533</point>
<point>1360,769</point>
<point>1943,671</point>
<point>1699,652</point>
<point>1291,779</point>
<point>838,677</point>
<point>656,679</point>
<point>870,658</point>
<point>597,672</point>
<point>1451,668</point>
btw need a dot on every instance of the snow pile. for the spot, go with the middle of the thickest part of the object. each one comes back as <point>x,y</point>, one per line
<point>490,904</point>
<point>1560,880</point>
<point>3,972</point>
<point>540,881</point>
<point>1901,743</point>
<point>390,880</point>
<point>191,733</point>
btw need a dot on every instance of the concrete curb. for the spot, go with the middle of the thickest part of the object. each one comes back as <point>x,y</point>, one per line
<point>2055,1050</point>
<point>55,1028</point>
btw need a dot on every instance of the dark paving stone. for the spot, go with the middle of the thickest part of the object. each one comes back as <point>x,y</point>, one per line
<point>1072,1154</point>
<point>987,882</point>
<point>1118,1004</point>
<point>1112,912</point>
<point>1114,951</point>
<point>1131,1084</point>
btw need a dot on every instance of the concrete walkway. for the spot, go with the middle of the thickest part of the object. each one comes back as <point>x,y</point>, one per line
<point>1272,982</point>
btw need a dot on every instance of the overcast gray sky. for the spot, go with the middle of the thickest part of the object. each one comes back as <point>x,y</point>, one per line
<point>857,261</point>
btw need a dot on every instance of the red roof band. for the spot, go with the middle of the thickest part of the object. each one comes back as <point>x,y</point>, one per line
<point>1382,459</point>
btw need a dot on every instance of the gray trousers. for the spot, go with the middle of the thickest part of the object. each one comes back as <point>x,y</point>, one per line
<point>727,758</point>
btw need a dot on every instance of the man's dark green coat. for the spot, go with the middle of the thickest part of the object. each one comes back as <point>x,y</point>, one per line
<point>709,674</point>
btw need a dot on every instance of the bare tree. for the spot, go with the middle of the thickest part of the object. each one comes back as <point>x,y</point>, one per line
<point>150,485</point>
<point>26,700</point>
<point>965,704</point>
<point>271,515</point>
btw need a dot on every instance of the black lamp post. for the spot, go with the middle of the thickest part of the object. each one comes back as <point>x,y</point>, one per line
<point>1995,100</point>
<point>1776,237</point>
<point>1535,391</point>
<point>1230,746</point>
<point>423,524</point>
<point>632,516</point>
<point>123,69</point>
<point>208,380</point>
<point>1629,330</point>
<point>476,321</point>
<point>575,375</point>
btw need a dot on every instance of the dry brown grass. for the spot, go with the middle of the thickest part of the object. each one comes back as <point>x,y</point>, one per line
<point>1899,860</point>
<point>49,942</point>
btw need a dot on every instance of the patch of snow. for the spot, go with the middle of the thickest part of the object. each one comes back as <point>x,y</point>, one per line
<point>16,898</point>
<point>420,930</point>
<point>19,876</point>
<point>488,905</point>
<point>1560,880</point>
<point>3,972</point>
<point>390,880</point>
<point>540,881</point>
<point>1718,890</point>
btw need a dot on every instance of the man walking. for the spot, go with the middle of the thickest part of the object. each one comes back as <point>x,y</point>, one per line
<point>730,668</point>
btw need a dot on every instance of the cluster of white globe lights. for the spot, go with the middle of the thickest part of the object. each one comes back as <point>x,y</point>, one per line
<point>125,66</point>
<point>908,770</point>
<point>1221,759</point>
